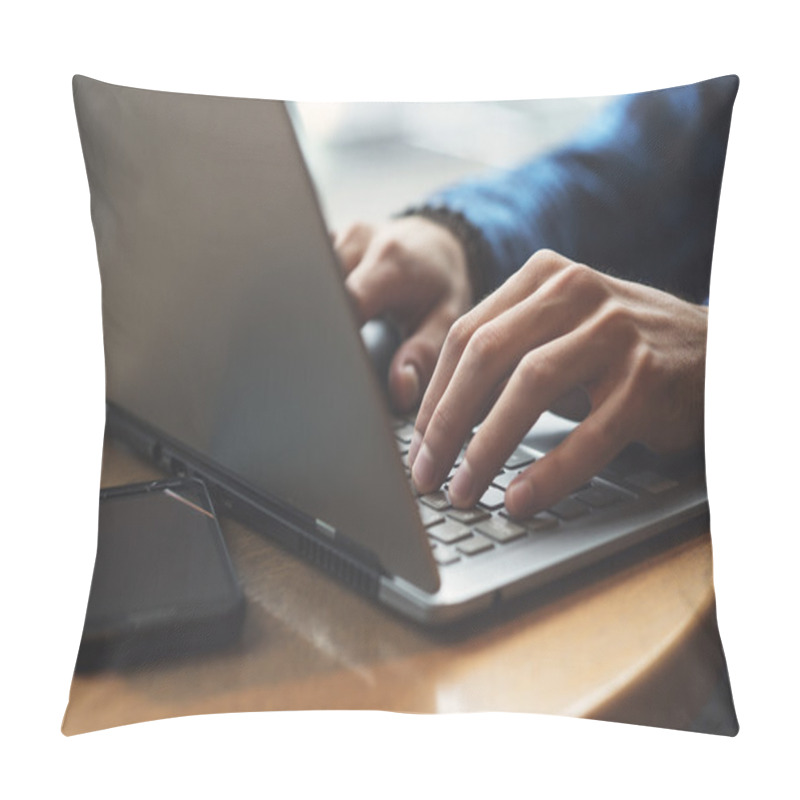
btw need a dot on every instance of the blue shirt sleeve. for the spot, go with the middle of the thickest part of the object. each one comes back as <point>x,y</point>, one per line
<point>636,194</point>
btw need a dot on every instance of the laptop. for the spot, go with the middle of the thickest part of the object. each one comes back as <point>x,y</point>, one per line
<point>233,355</point>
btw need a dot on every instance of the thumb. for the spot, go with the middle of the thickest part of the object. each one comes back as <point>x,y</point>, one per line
<point>413,363</point>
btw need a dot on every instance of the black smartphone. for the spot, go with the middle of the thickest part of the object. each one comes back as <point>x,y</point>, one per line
<point>163,583</point>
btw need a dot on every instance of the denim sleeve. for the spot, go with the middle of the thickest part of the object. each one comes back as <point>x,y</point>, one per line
<point>636,194</point>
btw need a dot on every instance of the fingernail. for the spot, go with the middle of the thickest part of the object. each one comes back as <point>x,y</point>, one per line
<point>410,384</point>
<point>462,487</point>
<point>422,471</point>
<point>519,497</point>
<point>416,441</point>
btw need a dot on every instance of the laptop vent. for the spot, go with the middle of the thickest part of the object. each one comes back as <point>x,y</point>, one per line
<point>350,573</point>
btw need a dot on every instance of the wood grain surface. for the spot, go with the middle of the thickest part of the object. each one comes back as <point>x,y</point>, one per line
<point>633,641</point>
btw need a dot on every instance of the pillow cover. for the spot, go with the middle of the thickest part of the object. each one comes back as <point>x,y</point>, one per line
<point>600,213</point>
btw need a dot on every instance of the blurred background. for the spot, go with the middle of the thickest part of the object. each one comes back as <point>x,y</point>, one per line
<point>372,160</point>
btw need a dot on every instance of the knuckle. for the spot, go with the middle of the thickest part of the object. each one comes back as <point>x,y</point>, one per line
<point>356,231</point>
<point>644,368</point>
<point>391,250</point>
<point>541,259</point>
<point>614,318</point>
<point>441,422</point>
<point>545,255</point>
<point>459,335</point>
<point>534,372</point>
<point>485,344</point>
<point>615,325</point>
<point>577,279</point>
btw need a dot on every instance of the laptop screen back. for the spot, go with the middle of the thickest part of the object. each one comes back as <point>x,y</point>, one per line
<point>226,323</point>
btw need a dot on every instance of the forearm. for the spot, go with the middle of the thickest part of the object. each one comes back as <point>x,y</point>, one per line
<point>635,195</point>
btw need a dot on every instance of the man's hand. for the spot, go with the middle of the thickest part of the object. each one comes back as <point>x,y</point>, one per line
<point>415,272</point>
<point>637,353</point>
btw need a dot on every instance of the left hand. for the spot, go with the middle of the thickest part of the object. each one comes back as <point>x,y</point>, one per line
<point>415,271</point>
<point>638,353</point>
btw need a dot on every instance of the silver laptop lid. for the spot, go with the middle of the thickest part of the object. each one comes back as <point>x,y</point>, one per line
<point>225,318</point>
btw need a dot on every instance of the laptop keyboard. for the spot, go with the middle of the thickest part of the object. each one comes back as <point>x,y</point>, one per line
<point>459,534</point>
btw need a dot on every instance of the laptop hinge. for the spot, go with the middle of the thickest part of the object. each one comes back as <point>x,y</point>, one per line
<point>311,539</point>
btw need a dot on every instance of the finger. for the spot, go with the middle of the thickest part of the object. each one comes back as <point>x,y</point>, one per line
<point>351,245</point>
<point>523,284</point>
<point>377,283</point>
<point>541,267</point>
<point>595,442</point>
<point>415,359</point>
<point>385,282</point>
<point>372,286</point>
<point>541,377</point>
<point>557,307</point>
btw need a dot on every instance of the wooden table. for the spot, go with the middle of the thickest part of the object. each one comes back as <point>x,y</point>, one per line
<point>634,641</point>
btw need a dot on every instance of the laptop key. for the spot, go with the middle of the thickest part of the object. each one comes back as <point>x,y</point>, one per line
<point>474,545</point>
<point>404,433</point>
<point>520,457</point>
<point>500,529</point>
<point>460,456</point>
<point>569,508</point>
<point>540,523</point>
<point>503,480</point>
<point>493,498</point>
<point>429,516</point>
<point>444,555</point>
<point>536,524</point>
<point>436,500</point>
<point>469,516</point>
<point>651,481</point>
<point>600,496</point>
<point>449,531</point>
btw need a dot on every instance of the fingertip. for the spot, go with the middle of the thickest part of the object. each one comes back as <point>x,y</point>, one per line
<point>411,371</point>
<point>423,471</point>
<point>462,486</point>
<point>520,498</point>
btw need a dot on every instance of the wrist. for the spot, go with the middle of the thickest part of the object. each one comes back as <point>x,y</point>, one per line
<point>473,246</point>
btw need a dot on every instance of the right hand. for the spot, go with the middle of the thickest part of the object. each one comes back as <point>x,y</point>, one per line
<point>637,353</point>
<point>415,272</point>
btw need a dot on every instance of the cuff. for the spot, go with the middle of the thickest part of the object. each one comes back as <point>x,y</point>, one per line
<point>479,257</point>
